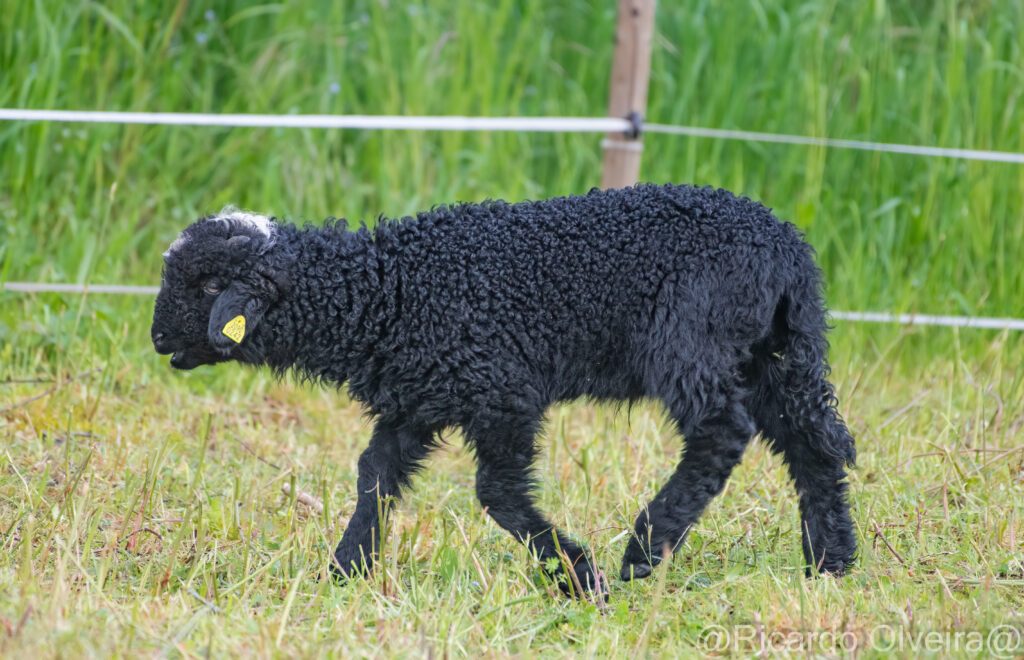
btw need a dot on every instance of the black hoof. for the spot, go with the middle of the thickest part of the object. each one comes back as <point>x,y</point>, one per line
<point>594,585</point>
<point>584,581</point>
<point>636,571</point>
<point>342,573</point>
<point>835,569</point>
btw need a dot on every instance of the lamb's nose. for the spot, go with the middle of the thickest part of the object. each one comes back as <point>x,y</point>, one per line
<point>158,336</point>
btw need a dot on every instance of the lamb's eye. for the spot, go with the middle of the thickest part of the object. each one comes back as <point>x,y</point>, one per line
<point>212,287</point>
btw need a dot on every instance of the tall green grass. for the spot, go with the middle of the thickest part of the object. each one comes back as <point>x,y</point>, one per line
<point>97,203</point>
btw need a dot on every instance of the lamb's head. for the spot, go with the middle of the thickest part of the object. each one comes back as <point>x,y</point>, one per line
<point>219,279</point>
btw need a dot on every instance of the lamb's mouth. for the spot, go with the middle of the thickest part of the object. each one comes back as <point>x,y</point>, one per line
<point>179,360</point>
<point>186,360</point>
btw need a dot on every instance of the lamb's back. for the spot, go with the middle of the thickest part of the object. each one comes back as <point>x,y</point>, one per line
<point>570,267</point>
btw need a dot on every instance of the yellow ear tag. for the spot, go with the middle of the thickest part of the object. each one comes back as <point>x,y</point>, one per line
<point>235,329</point>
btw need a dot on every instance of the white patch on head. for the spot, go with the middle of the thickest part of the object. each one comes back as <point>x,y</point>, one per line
<point>178,242</point>
<point>260,223</point>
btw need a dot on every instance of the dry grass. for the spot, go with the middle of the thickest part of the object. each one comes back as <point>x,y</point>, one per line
<point>143,513</point>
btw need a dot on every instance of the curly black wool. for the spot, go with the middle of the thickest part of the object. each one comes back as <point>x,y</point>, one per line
<point>481,316</point>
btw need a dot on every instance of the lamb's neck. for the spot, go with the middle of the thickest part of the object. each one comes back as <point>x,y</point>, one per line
<point>335,308</point>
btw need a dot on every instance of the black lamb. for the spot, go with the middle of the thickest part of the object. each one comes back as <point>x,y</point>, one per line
<point>481,316</point>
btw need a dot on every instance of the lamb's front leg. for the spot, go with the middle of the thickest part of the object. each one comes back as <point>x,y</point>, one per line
<point>504,486</point>
<point>385,467</point>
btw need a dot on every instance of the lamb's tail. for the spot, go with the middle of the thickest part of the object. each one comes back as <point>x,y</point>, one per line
<point>793,389</point>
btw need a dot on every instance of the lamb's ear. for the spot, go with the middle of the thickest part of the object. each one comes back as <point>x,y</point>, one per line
<point>234,316</point>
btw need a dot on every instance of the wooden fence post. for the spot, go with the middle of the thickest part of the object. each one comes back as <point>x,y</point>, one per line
<point>631,71</point>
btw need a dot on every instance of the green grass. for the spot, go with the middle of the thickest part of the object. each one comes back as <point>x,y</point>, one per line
<point>97,203</point>
<point>135,514</point>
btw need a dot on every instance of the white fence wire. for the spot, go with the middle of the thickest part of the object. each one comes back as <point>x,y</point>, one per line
<point>929,319</point>
<point>361,122</point>
<point>46,287</point>
<point>833,143</point>
<point>517,124</point>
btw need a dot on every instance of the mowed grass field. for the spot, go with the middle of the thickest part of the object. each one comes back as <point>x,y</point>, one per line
<point>149,512</point>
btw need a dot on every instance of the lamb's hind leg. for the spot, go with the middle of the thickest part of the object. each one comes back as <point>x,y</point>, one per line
<point>505,453</point>
<point>714,446</point>
<point>798,419</point>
